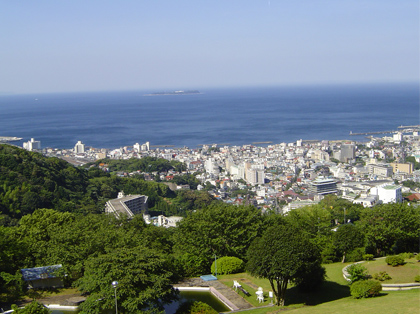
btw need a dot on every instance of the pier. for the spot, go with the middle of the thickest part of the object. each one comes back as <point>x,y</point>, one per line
<point>6,139</point>
<point>372,133</point>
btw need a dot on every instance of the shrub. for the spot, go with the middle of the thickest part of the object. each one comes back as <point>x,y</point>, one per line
<point>407,255</point>
<point>228,265</point>
<point>193,307</point>
<point>368,257</point>
<point>365,289</point>
<point>33,307</point>
<point>356,255</point>
<point>381,276</point>
<point>394,260</point>
<point>417,278</point>
<point>357,272</point>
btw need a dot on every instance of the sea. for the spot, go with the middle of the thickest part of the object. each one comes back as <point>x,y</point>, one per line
<point>229,116</point>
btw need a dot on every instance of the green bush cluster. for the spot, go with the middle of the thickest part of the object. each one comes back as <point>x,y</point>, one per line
<point>365,289</point>
<point>417,278</point>
<point>357,272</point>
<point>394,260</point>
<point>368,257</point>
<point>228,265</point>
<point>381,276</point>
<point>407,255</point>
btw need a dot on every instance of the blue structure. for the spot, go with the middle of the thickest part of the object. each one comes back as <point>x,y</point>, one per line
<point>208,277</point>
<point>43,277</point>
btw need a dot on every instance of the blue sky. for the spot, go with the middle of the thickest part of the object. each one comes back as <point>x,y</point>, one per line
<point>56,46</point>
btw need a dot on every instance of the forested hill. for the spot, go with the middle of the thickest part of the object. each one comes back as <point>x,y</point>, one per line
<point>29,180</point>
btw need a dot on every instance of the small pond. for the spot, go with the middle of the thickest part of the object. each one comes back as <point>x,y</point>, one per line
<point>203,296</point>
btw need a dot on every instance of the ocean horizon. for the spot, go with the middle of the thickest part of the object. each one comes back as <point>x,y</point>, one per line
<point>232,116</point>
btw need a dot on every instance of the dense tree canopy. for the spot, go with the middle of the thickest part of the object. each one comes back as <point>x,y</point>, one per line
<point>143,276</point>
<point>145,164</point>
<point>346,238</point>
<point>284,254</point>
<point>391,228</point>
<point>221,230</point>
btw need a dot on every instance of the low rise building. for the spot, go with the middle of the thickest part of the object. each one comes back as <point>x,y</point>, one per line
<point>323,186</point>
<point>388,193</point>
<point>126,205</point>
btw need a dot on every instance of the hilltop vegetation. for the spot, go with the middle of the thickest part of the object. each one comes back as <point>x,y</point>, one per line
<point>28,181</point>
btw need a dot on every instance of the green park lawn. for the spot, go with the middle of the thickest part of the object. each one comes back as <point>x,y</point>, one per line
<point>399,274</point>
<point>334,295</point>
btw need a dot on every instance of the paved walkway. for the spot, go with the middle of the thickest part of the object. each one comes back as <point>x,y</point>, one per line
<point>227,292</point>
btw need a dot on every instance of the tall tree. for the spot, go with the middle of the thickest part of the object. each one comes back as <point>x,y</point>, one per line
<point>284,254</point>
<point>391,228</point>
<point>347,238</point>
<point>220,229</point>
<point>143,276</point>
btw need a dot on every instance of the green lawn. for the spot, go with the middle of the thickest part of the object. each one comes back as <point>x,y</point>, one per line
<point>399,274</point>
<point>332,297</point>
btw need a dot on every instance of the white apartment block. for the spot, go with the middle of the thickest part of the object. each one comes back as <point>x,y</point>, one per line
<point>255,176</point>
<point>79,148</point>
<point>32,145</point>
<point>211,166</point>
<point>380,170</point>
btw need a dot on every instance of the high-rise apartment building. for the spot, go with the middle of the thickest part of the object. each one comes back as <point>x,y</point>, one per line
<point>79,148</point>
<point>32,145</point>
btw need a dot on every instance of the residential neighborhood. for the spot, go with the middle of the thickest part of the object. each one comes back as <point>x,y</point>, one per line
<point>282,176</point>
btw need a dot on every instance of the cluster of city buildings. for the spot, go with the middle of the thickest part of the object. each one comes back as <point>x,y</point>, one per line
<point>282,176</point>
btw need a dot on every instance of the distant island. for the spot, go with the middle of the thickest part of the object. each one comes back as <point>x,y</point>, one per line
<point>177,92</point>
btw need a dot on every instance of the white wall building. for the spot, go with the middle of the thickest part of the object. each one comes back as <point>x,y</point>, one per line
<point>255,176</point>
<point>32,144</point>
<point>136,147</point>
<point>388,193</point>
<point>211,166</point>
<point>79,148</point>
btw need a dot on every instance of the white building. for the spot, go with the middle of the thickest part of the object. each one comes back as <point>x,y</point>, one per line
<point>136,147</point>
<point>128,205</point>
<point>32,145</point>
<point>388,193</point>
<point>380,170</point>
<point>211,166</point>
<point>79,148</point>
<point>255,176</point>
<point>323,186</point>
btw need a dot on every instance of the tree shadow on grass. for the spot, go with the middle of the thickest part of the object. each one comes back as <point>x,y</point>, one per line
<point>329,291</point>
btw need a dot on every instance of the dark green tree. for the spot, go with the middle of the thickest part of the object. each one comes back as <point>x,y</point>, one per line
<point>391,228</point>
<point>282,255</point>
<point>143,275</point>
<point>346,238</point>
<point>221,230</point>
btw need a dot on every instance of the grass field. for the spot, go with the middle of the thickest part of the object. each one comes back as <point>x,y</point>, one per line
<point>334,295</point>
<point>399,274</point>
